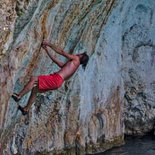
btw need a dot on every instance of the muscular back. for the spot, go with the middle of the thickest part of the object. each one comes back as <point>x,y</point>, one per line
<point>69,68</point>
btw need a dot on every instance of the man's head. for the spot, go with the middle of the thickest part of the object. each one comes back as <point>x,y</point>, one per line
<point>83,59</point>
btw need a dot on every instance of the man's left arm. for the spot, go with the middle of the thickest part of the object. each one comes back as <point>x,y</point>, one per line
<point>58,62</point>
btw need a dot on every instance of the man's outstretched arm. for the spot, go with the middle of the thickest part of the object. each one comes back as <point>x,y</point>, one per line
<point>58,62</point>
<point>59,50</point>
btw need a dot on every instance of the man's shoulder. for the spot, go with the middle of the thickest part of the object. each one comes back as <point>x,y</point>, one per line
<point>76,61</point>
<point>75,57</point>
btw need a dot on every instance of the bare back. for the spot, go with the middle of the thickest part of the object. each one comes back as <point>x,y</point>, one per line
<point>69,68</point>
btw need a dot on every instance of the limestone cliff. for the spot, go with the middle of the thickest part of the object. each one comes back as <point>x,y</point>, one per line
<point>86,114</point>
<point>138,57</point>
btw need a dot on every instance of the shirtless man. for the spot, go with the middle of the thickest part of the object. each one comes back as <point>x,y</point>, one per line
<point>53,81</point>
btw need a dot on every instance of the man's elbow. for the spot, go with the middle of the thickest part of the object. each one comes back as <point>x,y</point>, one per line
<point>61,65</point>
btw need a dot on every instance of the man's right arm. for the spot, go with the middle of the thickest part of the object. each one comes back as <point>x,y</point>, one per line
<point>60,50</point>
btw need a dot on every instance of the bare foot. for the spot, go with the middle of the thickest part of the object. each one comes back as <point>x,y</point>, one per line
<point>16,97</point>
<point>23,111</point>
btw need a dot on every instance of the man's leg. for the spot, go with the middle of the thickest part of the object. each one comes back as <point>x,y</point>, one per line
<point>32,83</point>
<point>31,100</point>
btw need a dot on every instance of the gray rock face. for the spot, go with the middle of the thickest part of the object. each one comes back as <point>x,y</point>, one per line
<point>139,68</point>
<point>86,113</point>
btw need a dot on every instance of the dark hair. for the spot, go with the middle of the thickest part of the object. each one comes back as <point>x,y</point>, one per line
<point>84,60</point>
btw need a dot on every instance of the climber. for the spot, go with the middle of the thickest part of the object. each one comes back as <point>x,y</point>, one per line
<point>53,81</point>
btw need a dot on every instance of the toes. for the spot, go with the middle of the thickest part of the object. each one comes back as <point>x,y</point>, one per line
<point>15,97</point>
<point>24,112</point>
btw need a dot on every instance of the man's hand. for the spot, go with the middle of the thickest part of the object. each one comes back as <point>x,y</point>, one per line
<point>45,43</point>
<point>44,46</point>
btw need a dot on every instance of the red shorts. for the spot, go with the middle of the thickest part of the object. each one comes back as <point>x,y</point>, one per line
<point>49,82</point>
